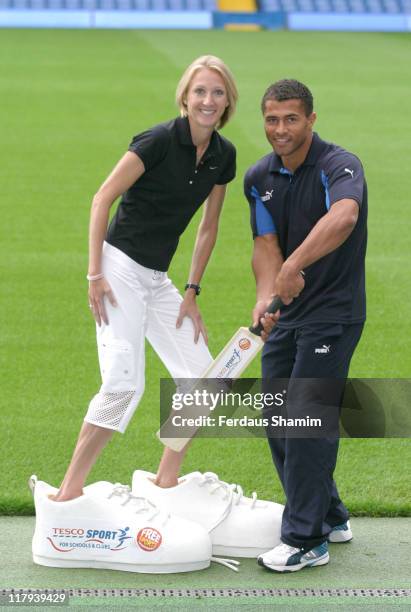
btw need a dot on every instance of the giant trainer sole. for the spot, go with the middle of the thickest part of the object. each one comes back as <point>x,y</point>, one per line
<point>174,568</point>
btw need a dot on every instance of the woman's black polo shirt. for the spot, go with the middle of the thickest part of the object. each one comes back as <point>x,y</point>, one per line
<point>155,211</point>
<point>289,205</point>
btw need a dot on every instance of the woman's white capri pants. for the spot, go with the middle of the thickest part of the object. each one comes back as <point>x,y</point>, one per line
<point>148,305</point>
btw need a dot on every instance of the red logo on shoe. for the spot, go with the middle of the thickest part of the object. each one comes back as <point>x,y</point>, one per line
<point>244,344</point>
<point>149,539</point>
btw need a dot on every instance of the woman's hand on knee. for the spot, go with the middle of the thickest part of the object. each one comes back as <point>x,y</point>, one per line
<point>190,309</point>
<point>98,290</point>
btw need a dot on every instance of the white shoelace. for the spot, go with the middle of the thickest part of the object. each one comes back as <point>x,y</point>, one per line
<point>230,563</point>
<point>144,504</point>
<point>233,492</point>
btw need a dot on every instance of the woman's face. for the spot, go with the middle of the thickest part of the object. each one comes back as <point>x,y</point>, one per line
<point>206,98</point>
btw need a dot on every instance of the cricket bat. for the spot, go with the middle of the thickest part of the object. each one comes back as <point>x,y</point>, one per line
<point>230,363</point>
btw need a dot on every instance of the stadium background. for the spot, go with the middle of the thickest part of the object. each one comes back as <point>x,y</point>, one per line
<point>362,15</point>
<point>71,100</point>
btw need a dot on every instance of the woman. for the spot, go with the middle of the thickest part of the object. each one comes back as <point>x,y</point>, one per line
<point>167,173</point>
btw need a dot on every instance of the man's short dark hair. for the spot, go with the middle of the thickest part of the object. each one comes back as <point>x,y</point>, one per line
<point>289,89</point>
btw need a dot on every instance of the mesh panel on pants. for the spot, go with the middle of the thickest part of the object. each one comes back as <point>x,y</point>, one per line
<point>108,409</point>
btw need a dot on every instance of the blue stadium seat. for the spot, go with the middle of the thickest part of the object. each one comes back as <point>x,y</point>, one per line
<point>306,6</point>
<point>289,5</point>
<point>391,6</point>
<point>141,5</point>
<point>357,6</point>
<point>340,6</point>
<point>268,5</point>
<point>374,6</point>
<point>124,5</point>
<point>323,6</point>
<point>159,5</point>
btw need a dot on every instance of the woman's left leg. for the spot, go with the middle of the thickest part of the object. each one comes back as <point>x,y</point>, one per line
<point>169,467</point>
<point>181,356</point>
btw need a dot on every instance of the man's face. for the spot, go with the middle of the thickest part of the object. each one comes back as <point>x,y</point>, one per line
<point>286,125</point>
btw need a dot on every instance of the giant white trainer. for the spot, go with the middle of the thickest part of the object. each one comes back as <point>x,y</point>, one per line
<point>239,526</point>
<point>108,527</point>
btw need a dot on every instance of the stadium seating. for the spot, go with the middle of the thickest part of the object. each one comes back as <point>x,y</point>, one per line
<point>392,7</point>
<point>337,6</point>
<point>109,5</point>
<point>344,15</point>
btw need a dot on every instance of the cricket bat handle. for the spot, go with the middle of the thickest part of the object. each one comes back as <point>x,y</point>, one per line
<point>275,305</point>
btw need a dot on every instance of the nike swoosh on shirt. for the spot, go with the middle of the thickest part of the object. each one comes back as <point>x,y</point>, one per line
<point>213,167</point>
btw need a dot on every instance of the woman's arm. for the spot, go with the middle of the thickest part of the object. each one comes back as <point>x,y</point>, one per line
<point>128,170</point>
<point>206,234</point>
<point>205,241</point>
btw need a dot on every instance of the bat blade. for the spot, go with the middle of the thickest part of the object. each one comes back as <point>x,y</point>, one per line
<point>231,362</point>
<point>237,354</point>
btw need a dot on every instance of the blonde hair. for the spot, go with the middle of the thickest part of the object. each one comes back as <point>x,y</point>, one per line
<point>212,63</point>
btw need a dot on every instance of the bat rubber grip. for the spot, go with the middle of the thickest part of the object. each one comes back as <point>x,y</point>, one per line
<point>275,305</point>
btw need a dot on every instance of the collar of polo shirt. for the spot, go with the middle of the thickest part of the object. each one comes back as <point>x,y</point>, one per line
<point>184,137</point>
<point>313,154</point>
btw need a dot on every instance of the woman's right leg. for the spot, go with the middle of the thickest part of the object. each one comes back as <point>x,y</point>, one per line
<point>121,357</point>
<point>90,443</point>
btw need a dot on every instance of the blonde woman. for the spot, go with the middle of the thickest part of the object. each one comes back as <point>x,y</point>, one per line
<point>168,172</point>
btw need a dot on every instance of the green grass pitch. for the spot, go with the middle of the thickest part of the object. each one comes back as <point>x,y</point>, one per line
<point>71,100</point>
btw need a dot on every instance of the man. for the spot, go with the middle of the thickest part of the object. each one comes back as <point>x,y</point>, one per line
<point>308,203</point>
